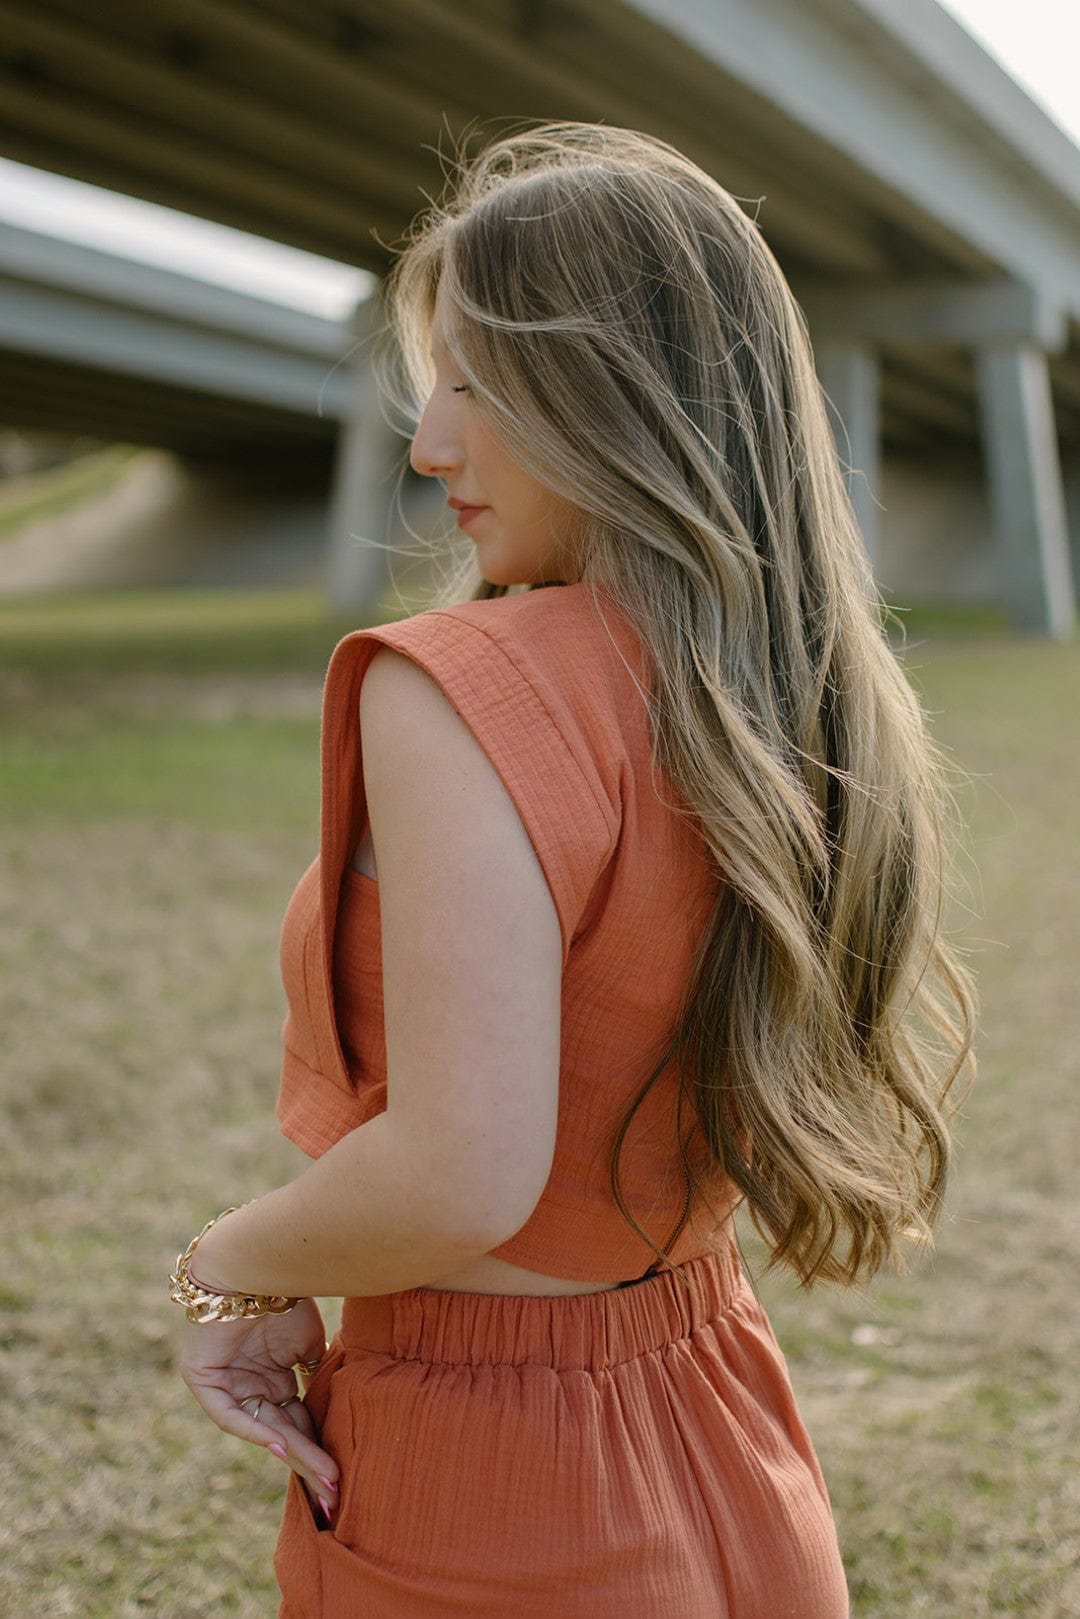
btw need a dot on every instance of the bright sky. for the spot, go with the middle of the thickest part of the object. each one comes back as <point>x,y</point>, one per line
<point>57,206</point>
<point>1038,42</point>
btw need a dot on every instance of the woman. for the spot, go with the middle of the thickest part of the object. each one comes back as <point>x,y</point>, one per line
<point>627,911</point>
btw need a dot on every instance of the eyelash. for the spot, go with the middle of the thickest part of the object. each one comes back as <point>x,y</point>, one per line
<point>463,388</point>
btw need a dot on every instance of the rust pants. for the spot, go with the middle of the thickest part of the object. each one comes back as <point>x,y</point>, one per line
<point>632,1454</point>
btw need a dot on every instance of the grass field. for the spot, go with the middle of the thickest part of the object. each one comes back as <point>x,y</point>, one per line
<point>159,801</point>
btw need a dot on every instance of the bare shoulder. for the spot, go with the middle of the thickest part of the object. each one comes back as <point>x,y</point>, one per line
<point>443,822</point>
<point>392,679</point>
<point>471,952</point>
<point>410,727</point>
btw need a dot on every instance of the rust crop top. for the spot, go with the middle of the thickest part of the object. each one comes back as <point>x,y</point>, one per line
<point>548,681</point>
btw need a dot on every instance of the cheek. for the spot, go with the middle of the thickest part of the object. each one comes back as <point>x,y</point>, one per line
<point>556,515</point>
<point>484,448</point>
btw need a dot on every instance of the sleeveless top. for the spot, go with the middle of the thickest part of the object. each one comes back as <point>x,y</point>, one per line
<point>550,682</point>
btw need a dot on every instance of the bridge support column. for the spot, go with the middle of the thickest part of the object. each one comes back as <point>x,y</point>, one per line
<point>369,457</point>
<point>848,372</point>
<point>1026,492</point>
<point>1071,475</point>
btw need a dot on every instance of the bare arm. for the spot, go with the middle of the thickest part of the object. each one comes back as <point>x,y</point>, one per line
<point>472,954</point>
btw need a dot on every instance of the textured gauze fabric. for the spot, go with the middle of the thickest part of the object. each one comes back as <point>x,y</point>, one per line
<point>633,1453</point>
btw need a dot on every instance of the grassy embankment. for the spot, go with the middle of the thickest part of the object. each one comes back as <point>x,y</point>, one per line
<point>159,784</point>
<point>31,496</point>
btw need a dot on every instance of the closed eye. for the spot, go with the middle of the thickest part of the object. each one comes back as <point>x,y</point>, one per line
<point>461,388</point>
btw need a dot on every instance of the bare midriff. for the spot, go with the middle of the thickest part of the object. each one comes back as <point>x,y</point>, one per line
<point>487,1274</point>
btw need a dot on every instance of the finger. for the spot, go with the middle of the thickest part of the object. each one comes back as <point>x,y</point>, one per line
<point>296,1444</point>
<point>322,1490</point>
<point>273,1430</point>
<point>239,1380</point>
<point>232,1417</point>
<point>294,1432</point>
<point>322,1502</point>
<point>296,1411</point>
<point>307,1367</point>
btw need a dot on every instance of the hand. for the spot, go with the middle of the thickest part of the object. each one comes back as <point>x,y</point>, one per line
<point>223,1363</point>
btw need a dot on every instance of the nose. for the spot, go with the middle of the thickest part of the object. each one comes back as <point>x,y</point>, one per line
<point>436,451</point>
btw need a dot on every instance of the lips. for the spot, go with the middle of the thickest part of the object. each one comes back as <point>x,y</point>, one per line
<point>465,511</point>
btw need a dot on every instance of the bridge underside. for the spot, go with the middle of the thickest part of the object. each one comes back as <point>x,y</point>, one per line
<point>874,143</point>
<point>46,395</point>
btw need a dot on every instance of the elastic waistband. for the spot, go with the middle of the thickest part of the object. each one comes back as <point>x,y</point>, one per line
<point>585,1331</point>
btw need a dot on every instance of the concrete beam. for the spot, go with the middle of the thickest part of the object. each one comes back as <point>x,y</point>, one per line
<point>862,93</point>
<point>87,273</point>
<point>1026,491</point>
<point>993,312</point>
<point>848,373</point>
<point>108,338</point>
<point>940,43</point>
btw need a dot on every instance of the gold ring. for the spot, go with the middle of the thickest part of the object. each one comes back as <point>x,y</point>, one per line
<point>310,1367</point>
<point>258,1400</point>
<point>281,1404</point>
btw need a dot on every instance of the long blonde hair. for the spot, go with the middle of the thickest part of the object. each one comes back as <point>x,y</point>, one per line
<point>636,347</point>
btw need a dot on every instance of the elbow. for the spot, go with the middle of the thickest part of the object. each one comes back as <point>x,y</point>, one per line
<point>485,1208</point>
<point>474,1189</point>
<point>480,1222</point>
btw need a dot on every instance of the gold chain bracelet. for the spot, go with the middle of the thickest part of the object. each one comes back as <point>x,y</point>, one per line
<point>204,1307</point>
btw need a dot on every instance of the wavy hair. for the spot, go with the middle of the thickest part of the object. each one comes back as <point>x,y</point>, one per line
<point>637,348</point>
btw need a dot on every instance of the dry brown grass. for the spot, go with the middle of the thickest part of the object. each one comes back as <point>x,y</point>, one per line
<point>944,1405</point>
<point>142,1014</point>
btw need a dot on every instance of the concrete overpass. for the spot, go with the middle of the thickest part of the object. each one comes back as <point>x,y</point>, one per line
<point>90,341</point>
<point>250,396</point>
<point>925,210</point>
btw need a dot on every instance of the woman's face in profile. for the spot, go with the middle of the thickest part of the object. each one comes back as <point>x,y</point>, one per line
<point>517,524</point>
